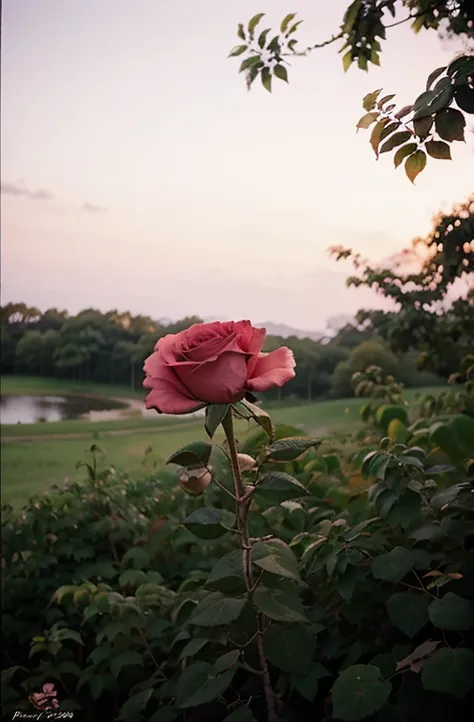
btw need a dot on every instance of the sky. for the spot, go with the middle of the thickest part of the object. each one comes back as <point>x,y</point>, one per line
<point>139,173</point>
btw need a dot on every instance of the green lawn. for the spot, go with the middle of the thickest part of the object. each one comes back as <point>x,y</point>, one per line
<point>37,385</point>
<point>31,465</point>
<point>82,426</point>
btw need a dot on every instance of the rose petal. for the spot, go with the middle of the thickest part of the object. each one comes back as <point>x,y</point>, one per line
<point>272,369</point>
<point>168,394</point>
<point>168,347</point>
<point>219,382</point>
<point>251,339</point>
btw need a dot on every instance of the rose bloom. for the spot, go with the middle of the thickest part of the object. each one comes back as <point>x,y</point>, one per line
<point>212,363</point>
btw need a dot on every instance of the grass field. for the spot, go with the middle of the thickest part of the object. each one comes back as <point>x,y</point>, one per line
<point>32,385</point>
<point>46,453</point>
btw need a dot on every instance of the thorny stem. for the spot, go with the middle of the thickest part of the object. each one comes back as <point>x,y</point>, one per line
<point>243,500</point>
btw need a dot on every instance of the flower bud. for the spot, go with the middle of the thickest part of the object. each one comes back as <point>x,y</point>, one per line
<point>246,462</point>
<point>194,481</point>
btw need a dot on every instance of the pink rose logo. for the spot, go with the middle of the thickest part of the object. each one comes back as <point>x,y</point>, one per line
<point>45,700</point>
<point>212,363</point>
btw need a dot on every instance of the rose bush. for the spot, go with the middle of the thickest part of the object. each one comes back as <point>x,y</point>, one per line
<point>212,363</point>
<point>305,582</point>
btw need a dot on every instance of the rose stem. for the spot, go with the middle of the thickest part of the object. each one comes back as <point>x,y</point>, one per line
<point>242,508</point>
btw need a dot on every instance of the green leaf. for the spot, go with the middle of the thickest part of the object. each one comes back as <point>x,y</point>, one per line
<point>463,429</point>
<point>362,62</point>
<point>225,662</point>
<point>286,21</point>
<point>408,611</point>
<point>125,659</point>
<point>262,38</point>
<point>463,65</point>
<point>422,126</point>
<point>253,22</point>
<point>293,28</point>
<point>438,149</point>
<point>452,612</point>
<point>245,65</point>
<point>375,57</point>
<point>307,684</point>
<point>388,129</point>
<point>387,412</point>
<point>227,574</point>
<point>394,566</point>
<point>139,558</point>
<point>450,671</point>
<point>282,604</point>
<point>135,705</point>
<point>238,50</point>
<point>242,714</point>
<point>395,140</point>
<point>464,98</point>
<point>241,31</point>
<point>358,692</point>
<point>193,647</point>
<point>397,431</point>
<point>290,648</point>
<point>279,486</point>
<point>194,455</point>
<point>367,120</point>
<point>450,124</point>
<point>404,111</point>
<point>369,100</point>
<point>215,413</point>
<point>423,650</point>
<point>414,164</point>
<point>385,100</point>
<point>259,415</point>
<point>434,100</point>
<point>350,16</point>
<point>347,61</point>
<point>376,135</point>
<point>267,79</point>
<point>216,609</point>
<point>209,523</point>
<point>290,449</point>
<point>276,557</point>
<point>61,634</point>
<point>432,76</point>
<point>197,686</point>
<point>132,578</point>
<point>281,72</point>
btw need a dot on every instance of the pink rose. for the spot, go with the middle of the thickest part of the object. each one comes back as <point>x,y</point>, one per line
<point>212,363</point>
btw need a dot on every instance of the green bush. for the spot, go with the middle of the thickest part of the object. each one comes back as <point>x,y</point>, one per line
<point>131,596</point>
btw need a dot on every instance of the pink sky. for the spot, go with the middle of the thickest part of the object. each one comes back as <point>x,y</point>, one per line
<point>148,178</point>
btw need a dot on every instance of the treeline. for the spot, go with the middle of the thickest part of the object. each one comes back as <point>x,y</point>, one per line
<point>111,348</point>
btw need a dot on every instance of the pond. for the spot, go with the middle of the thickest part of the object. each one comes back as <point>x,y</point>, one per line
<point>33,409</point>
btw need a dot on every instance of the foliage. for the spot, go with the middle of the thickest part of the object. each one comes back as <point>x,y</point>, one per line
<point>429,314</point>
<point>373,383</point>
<point>457,400</point>
<point>330,578</point>
<point>111,348</point>
<point>374,353</point>
<point>424,128</point>
<point>427,127</point>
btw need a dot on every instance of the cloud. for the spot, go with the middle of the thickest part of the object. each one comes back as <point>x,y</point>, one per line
<point>20,190</point>
<point>93,208</point>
